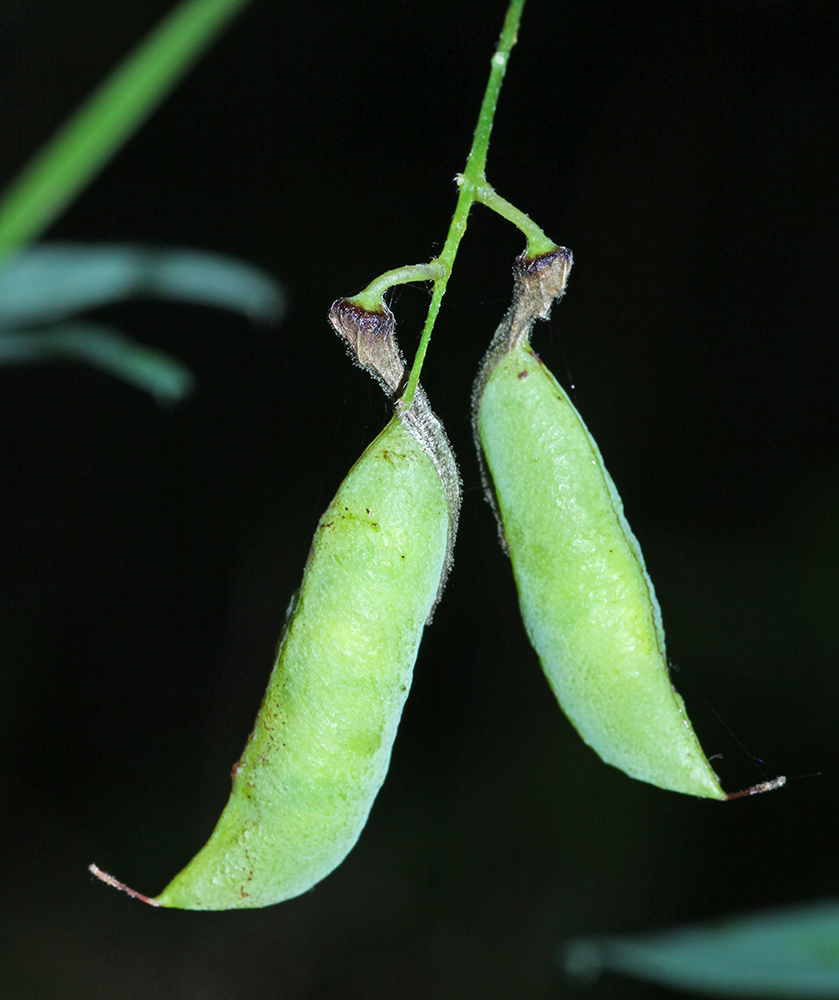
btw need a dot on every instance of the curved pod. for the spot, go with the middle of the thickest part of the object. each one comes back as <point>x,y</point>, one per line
<point>587,602</point>
<point>321,744</point>
<point>320,749</point>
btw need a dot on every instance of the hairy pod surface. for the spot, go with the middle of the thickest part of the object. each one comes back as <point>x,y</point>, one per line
<point>321,745</point>
<point>588,604</point>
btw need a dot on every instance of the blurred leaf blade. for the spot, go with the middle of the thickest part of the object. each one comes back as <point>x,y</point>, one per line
<point>102,347</point>
<point>55,280</point>
<point>786,953</point>
<point>108,118</point>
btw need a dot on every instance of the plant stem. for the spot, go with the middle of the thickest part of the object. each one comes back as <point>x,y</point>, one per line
<point>106,120</point>
<point>371,298</point>
<point>471,181</point>
<point>537,242</point>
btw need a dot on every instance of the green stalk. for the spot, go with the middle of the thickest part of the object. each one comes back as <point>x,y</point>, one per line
<point>537,242</point>
<point>370,298</point>
<point>474,187</point>
<point>108,118</point>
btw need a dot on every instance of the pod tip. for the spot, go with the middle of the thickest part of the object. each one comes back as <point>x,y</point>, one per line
<point>764,786</point>
<point>116,884</point>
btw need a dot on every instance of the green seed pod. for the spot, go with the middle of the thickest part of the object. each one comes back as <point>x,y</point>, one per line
<point>321,745</point>
<point>588,604</point>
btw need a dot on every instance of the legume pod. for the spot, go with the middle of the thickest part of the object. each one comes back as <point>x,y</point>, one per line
<point>587,601</point>
<point>321,745</point>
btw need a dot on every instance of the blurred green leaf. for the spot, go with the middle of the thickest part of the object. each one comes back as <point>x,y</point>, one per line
<point>108,118</point>
<point>158,373</point>
<point>789,953</point>
<point>55,280</point>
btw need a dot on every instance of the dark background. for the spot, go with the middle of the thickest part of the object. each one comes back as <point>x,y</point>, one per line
<point>687,153</point>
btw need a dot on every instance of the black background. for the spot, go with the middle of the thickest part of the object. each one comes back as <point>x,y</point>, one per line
<point>687,153</point>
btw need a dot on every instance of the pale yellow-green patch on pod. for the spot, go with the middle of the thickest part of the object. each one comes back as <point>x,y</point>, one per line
<point>321,745</point>
<point>586,598</point>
